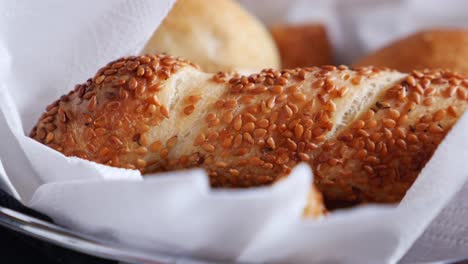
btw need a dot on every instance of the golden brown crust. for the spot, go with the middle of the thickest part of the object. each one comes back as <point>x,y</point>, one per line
<point>378,157</point>
<point>103,119</point>
<point>217,35</point>
<point>251,133</point>
<point>159,113</point>
<point>303,45</point>
<point>431,49</point>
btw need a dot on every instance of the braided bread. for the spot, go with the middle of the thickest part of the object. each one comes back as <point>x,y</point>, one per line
<point>366,132</point>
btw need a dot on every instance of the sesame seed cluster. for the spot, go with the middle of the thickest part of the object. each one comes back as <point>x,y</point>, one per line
<point>380,154</point>
<point>266,123</point>
<point>106,118</point>
<point>251,130</point>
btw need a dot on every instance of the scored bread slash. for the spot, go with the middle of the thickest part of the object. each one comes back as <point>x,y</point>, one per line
<point>248,131</point>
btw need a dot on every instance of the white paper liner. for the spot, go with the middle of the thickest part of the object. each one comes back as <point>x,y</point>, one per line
<point>46,47</point>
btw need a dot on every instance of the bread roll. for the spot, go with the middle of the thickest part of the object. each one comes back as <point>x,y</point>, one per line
<point>302,45</point>
<point>431,49</point>
<point>366,132</point>
<point>217,35</point>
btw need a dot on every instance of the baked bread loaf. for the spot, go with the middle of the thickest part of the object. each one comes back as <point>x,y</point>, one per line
<point>302,45</point>
<point>217,35</point>
<point>431,49</point>
<point>366,132</point>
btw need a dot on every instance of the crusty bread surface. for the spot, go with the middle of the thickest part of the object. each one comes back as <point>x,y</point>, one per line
<point>366,132</point>
<point>203,32</point>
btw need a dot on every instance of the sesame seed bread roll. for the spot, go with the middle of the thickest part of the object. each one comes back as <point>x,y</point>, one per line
<point>160,113</point>
<point>157,113</point>
<point>217,35</point>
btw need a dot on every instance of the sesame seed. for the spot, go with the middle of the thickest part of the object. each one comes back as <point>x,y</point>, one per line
<point>368,115</point>
<point>210,117</point>
<point>228,117</point>
<point>271,143</point>
<point>221,164</point>
<point>356,80</point>
<point>276,89</point>
<point>452,110</point>
<point>248,138</point>
<point>238,122</point>
<point>387,133</point>
<point>370,145</point>
<point>259,89</point>
<point>411,80</point>
<point>141,163</point>
<point>227,142</point>
<point>439,115</point>
<point>412,138</point>
<point>115,141</point>
<point>393,113</point>
<point>450,91</point>
<point>92,104</point>
<point>421,126</point>
<point>164,111</point>
<point>237,141</point>
<point>104,151</point>
<point>234,172</point>
<point>249,127</point>
<point>49,137</point>
<point>119,82</point>
<point>142,139</point>
<point>434,128</point>
<point>418,89</point>
<point>259,133</point>
<point>248,117</point>
<point>110,71</point>
<point>229,104</point>
<point>241,152</point>
<point>430,91</point>
<point>132,84</point>
<point>390,123</point>
<point>415,97</point>
<point>300,97</point>
<point>368,169</point>
<point>246,99</point>
<point>100,79</point>
<point>132,65</point>
<point>140,71</point>
<point>200,139</point>
<point>333,162</point>
<point>426,118</point>
<point>188,110</point>
<point>208,147</point>
<point>362,153</point>
<point>303,156</point>
<point>428,101</point>
<point>171,142</point>
<point>262,123</point>
<point>164,153</point>
<point>291,144</point>
<point>461,94</point>
<point>298,130</point>
<point>141,150</point>
<point>287,111</point>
